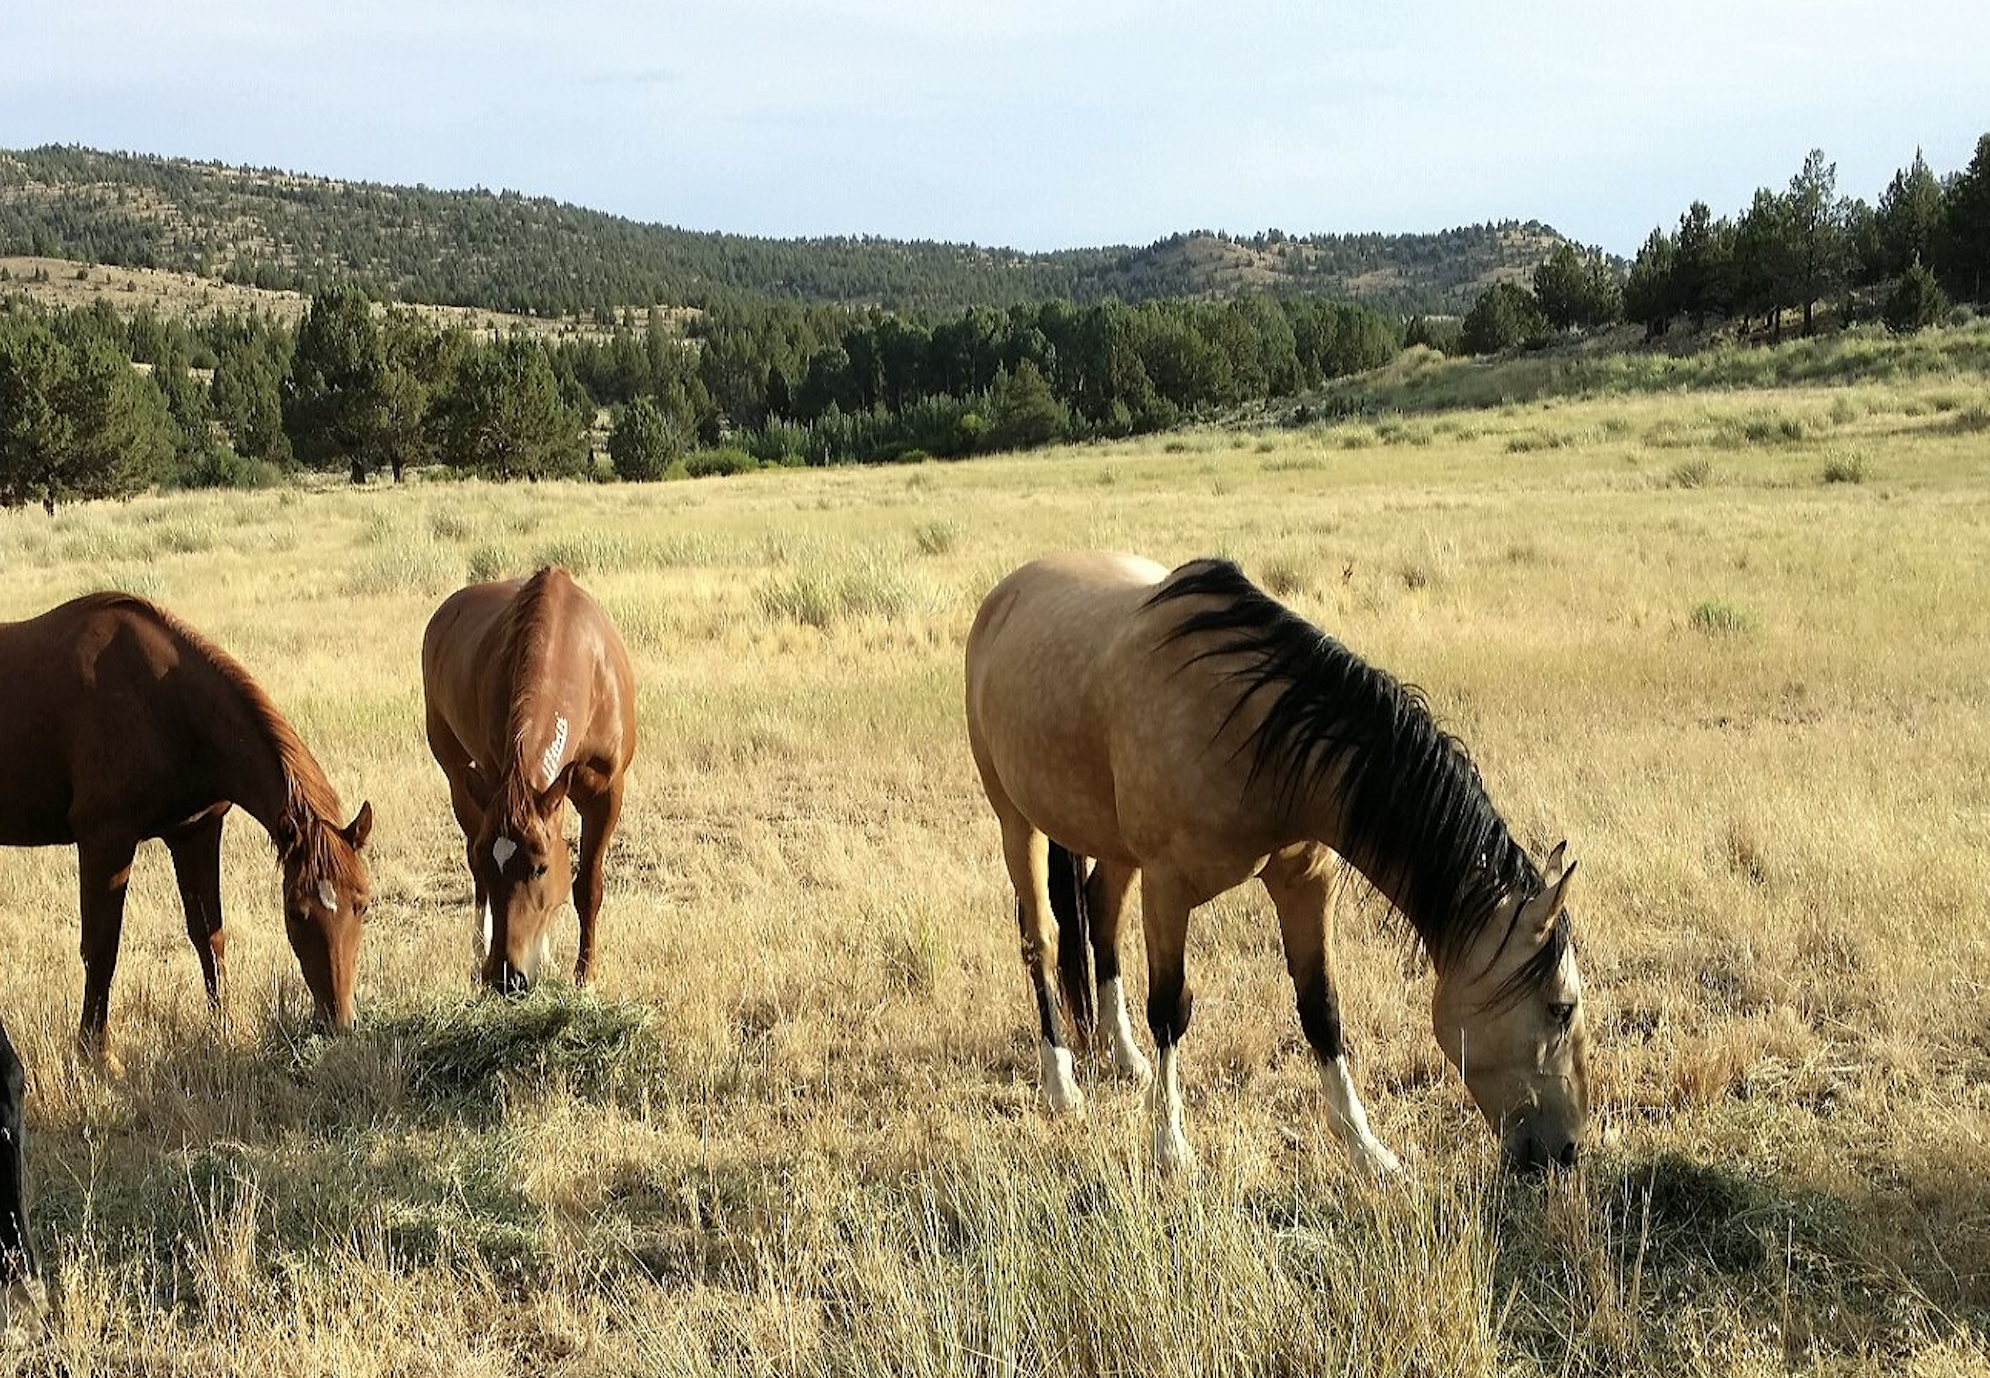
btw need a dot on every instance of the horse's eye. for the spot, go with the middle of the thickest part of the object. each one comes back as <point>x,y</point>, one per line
<point>538,871</point>
<point>1563,1013</point>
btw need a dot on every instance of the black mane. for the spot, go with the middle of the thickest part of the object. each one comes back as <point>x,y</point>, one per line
<point>1416,818</point>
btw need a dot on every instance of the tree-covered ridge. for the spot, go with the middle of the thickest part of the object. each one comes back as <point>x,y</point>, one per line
<point>511,252</point>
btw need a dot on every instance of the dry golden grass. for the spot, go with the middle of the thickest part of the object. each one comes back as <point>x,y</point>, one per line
<point>798,1130</point>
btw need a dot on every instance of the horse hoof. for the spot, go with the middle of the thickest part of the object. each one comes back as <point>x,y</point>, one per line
<point>1060,1086</point>
<point>1378,1164</point>
<point>1172,1155</point>
<point>1133,1067</point>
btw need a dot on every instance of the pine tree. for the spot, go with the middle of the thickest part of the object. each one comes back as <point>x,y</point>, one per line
<point>1817,234</point>
<point>334,403</point>
<point>1967,228</point>
<point>1026,413</point>
<point>1649,298</point>
<point>644,443</point>
<point>503,415</point>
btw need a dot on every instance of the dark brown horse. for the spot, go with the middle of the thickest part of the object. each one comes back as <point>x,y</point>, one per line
<point>531,702</point>
<point>119,723</point>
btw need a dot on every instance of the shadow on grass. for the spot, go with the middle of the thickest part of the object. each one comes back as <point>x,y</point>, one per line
<point>1602,1268</point>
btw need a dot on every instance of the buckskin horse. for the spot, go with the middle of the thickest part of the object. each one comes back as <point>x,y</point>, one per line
<point>1188,731</point>
<point>121,723</point>
<point>530,702</point>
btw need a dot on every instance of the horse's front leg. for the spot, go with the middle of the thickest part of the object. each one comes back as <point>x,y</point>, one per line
<point>103,874</point>
<point>599,814</point>
<point>1165,901</point>
<point>1301,887</point>
<point>196,853</point>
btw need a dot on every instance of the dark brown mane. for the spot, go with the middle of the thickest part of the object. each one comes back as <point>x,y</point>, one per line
<point>311,808</point>
<point>524,646</point>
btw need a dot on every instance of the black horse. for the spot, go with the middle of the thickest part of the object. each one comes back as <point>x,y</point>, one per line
<point>17,1255</point>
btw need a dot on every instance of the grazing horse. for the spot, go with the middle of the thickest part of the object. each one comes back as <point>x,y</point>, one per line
<point>17,1254</point>
<point>122,723</point>
<point>1187,731</point>
<point>530,702</point>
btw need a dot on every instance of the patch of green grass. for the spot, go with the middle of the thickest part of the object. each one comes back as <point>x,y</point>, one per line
<point>406,566</point>
<point>1691,473</point>
<point>1717,617</point>
<point>489,562</point>
<point>823,598</point>
<point>468,1054</point>
<point>1848,467</point>
<point>937,537</point>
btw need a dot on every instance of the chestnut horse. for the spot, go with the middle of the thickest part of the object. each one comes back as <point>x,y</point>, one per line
<point>1190,733</point>
<point>121,723</point>
<point>531,702</point>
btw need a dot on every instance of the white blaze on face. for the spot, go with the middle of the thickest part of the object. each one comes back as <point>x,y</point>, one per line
<point>327,896</point>
<point>480,936</point>
<point>549,760</point>
<point>502,851</point>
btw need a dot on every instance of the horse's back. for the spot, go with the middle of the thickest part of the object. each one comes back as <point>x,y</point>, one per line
<point>1045,658</point>
<point>89,682</point>
<point>464,675</point>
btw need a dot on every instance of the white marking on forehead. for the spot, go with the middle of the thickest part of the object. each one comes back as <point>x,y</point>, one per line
<point>1566,973</point>
<point>549,760</point>
<point>503,850</point>
<point>327,896</point>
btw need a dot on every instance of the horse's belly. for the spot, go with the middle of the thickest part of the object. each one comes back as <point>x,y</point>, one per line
<point>34,788</point>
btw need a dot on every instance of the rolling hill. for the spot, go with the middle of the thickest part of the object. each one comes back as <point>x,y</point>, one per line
<point>508,252</point>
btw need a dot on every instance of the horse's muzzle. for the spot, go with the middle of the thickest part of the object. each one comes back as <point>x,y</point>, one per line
<point>1530,1157</point>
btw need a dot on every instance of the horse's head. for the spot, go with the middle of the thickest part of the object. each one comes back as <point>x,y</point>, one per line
<point>325,894</point>
<point>1509,1013</point>
<point>520,861</point>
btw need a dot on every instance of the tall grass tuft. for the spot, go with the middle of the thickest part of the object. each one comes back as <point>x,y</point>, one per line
<point>1717,617</point>
<point>822,598</point>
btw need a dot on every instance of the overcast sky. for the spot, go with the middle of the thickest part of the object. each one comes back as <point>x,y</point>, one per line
<point>1034,123</point>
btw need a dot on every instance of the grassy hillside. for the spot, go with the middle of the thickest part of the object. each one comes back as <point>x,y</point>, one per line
<point>1732,645</point>
<point>505,251</point>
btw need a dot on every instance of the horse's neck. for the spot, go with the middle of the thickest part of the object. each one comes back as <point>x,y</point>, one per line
<point>1322,817</point>
<point>256,777</point>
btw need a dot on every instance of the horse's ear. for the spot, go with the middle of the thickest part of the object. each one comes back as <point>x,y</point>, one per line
<point>361,827</point>
<point>1548,905</point>
<point>1557,863</point>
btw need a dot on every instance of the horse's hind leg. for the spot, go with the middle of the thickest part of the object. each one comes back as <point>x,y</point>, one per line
<point>1301,886</point>
<point>1028,853</point>
<point>598,816</point>
<point>196,852</point>
<point>103,873</point>
<point>1107,894</point>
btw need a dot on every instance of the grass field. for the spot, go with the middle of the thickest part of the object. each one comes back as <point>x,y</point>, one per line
<point>1733,645</point>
